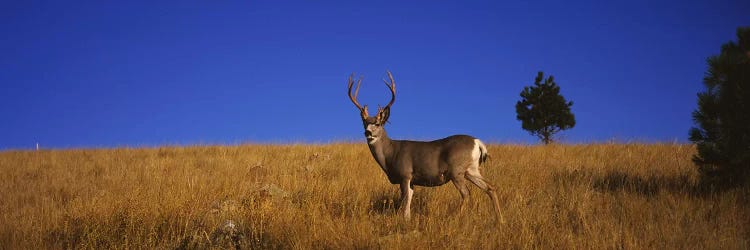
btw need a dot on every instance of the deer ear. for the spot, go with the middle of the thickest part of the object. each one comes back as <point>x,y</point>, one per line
<point>383,114</point>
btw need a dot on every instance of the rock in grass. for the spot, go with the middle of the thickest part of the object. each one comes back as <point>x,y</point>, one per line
<point>272,191</point>
<point>228,235</point>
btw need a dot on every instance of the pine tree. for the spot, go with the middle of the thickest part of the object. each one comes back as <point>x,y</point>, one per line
<point>723,114</point>
<point>542,110</point>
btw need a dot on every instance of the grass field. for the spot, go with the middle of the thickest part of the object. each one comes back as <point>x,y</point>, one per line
<point>598,196</point>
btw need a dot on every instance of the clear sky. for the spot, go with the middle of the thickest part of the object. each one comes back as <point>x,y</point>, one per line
<point>131,73</point>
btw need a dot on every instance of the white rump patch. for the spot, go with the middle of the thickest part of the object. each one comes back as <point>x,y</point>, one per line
<point>476,154</point>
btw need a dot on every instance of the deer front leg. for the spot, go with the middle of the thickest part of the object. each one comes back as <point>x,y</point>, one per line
<point>406,193</point>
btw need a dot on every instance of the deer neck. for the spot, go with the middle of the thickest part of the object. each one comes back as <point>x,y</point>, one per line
<point>382,150</point>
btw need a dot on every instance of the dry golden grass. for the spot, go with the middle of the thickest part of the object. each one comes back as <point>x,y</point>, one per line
<point>602,196</point>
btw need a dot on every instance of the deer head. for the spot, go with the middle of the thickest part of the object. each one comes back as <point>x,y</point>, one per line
<point>373,125</point>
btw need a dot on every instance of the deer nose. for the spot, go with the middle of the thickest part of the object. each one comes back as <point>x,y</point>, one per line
<point>368,133</point>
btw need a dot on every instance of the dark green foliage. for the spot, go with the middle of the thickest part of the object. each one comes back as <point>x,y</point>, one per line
<point>542,110</point>
<point>723,115</point>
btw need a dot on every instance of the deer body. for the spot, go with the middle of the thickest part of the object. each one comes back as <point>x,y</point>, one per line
<point>401,159</point>
<point>424,163</point>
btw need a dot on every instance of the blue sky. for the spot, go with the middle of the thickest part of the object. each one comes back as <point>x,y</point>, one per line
<point>130,73</point>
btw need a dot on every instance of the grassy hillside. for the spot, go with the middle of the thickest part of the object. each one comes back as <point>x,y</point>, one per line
<point>600,196</point>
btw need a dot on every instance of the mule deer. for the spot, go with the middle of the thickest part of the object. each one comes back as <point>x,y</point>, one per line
<point>423,163</point>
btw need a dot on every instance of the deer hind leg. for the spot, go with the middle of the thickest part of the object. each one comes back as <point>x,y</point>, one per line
<point>474,177</point>
<point>406,193</point>
<point>463,189</point>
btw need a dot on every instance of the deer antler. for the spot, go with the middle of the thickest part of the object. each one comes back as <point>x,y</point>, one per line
<point>385,112</point>
<point>392,87</point>
<point>363,110</point>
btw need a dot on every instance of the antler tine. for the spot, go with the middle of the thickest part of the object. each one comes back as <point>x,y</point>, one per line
<point>359,82</point>
<point>356,91</point>
<point>392,87</point>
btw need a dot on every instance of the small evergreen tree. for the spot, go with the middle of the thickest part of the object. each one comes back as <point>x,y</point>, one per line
<point>723,114</point>
<point>542,110</point>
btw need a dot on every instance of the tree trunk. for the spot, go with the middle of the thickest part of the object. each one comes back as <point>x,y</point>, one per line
<point>546,135</point>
